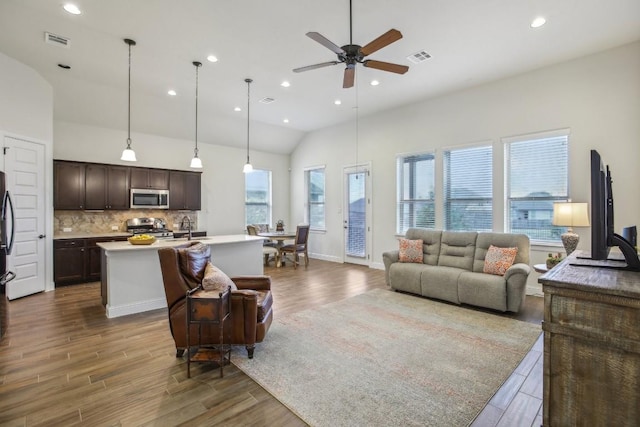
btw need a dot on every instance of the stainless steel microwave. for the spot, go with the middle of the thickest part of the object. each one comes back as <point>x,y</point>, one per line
<point>142,198</point>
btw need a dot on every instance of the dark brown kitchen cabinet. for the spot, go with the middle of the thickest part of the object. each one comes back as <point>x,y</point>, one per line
<point>157,179</point>
<point>106,187</point>
<point>69,185</point>
<point>78,260</point>
<point>184,190</point>
<point>68,261</point>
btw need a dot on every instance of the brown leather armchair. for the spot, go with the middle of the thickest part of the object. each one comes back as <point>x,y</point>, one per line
<point>183,268</point>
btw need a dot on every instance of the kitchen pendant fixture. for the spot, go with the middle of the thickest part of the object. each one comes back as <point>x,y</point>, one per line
<point>247,167</point>
<point>196,162</point>
<point>128,154</point>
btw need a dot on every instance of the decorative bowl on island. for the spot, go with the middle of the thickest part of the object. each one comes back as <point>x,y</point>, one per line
<point>141,239</point>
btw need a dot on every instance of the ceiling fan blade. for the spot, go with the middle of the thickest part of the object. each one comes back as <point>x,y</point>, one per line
<point>325,42</point>
<point>386,66</point>
<point>314,66</point>
<point>349,77</point>
<point>382,41</point>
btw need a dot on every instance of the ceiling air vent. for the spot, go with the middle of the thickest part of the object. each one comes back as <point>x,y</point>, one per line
<point>267,100</point>
<point>418,57</point>
<point>51,38</point>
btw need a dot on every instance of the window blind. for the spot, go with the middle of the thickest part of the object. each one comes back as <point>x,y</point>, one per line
<point>258,197</point>
<point>315,198</point>
<point>416,185</point>
<point>468,189</point>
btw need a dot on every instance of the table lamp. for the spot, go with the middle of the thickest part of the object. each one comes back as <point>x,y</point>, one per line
<point>568,214</point>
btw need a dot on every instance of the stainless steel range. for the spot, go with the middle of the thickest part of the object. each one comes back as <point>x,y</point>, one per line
<point>152,226</point>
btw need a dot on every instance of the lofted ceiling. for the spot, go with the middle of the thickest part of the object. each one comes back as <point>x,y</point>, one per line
<point>471,42</point>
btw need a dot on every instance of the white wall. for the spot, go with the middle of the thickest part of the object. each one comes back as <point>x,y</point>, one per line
<point>596,97</point>
<point>222,178</point>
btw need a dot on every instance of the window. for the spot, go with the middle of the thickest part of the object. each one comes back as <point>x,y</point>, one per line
<point>314,181</point>
<point>416,178</point>
<point>468,189</point>
<point>258,197</point>
<point>536,176</point>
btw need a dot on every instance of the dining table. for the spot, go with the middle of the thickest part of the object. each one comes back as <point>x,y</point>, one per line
<point>279,237</point>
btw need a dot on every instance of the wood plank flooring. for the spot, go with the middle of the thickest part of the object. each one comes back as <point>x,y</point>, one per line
<point>63,362</point>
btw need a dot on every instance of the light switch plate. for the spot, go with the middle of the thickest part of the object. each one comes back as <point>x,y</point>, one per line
<point>114,227</point>
<point>67,229</point>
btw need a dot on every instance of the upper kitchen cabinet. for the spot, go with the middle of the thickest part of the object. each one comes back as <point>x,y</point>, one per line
<point>106,187</point>
<point>157,179</point>
<point>184,190</point>
<point>69,185</point>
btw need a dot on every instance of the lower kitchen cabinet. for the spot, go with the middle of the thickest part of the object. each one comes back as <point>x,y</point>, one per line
<point>78,260</point>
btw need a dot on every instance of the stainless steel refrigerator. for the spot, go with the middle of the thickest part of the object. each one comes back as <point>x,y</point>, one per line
<point>6,244</point>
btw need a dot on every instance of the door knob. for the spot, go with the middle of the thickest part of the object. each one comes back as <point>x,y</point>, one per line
<point>42,236</point>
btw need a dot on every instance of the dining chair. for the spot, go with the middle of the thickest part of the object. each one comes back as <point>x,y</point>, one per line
<point>299,246</point>
<point>268,246</point>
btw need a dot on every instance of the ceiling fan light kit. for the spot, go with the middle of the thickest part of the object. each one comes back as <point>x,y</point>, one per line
<point>352,54</point>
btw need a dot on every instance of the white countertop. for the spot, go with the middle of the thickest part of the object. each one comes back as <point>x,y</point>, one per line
<point>168,243</point>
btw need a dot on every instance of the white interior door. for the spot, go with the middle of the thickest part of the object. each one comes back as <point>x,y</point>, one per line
<point>24,166</point>
<point>357,215</point>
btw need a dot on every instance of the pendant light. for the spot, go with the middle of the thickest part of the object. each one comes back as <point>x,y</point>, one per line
<point>247,167</point>
<point>196,162</point>
<point>128,154</point>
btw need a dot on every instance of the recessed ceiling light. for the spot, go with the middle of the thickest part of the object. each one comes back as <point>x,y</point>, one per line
<point>172,92</point>
<point>286,120</point>
<point>337,102</point>
<point>237,109</point>
<point>285,84</point>
<point>374,83</point>
<point>212,58</point>
<point>72,9</point>
<point>538,22</point>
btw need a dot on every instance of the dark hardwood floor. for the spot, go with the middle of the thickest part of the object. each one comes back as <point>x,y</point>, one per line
<point>63,362</point>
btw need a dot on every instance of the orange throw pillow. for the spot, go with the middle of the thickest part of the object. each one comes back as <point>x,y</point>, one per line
<point>411,250</point>
<point>498,260</point>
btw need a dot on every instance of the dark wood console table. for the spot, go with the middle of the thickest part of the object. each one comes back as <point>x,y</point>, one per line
<point>591,344</point>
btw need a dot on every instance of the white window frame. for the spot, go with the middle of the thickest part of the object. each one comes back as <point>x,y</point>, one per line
<point>445,183</point>
<point>538,137</point>
<point>309,203</point>
<point>412,202</point>
<point>269,203</point>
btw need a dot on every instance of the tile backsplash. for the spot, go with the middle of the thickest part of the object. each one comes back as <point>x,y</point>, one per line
<point>103,221</point>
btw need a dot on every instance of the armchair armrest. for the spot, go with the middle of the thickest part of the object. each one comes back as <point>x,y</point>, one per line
<point>258,283</point>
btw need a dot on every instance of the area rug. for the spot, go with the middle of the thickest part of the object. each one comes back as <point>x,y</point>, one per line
<point>384,358</point>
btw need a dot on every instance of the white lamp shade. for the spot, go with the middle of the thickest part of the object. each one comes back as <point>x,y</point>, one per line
<point>567,214</point>
<point>128,155</point>
<point>196,163</point>
<point>247,168</point>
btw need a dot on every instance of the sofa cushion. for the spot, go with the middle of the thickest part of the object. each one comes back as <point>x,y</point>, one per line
<point>440,282</point>
<point>216,280</point>
<point>498,260</point>
<point>430,243</point>
<point>410,251</point>
<point>457,249</point>
<point>405,277</point>
<point>193,261</point>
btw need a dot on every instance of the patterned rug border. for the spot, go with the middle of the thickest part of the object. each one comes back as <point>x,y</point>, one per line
<point>247,365</point>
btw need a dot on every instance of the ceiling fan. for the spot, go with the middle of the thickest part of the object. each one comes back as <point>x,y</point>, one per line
<point>351,54</point>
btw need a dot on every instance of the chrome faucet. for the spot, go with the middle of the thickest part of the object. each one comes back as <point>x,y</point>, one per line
<point>188,221</point>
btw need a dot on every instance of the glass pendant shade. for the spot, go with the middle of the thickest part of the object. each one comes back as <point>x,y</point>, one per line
<point>247,168</point>
<point>128,154</point>
<point>196,163</point>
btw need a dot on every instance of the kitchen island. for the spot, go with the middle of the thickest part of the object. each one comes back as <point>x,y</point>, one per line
<point>131,276</point>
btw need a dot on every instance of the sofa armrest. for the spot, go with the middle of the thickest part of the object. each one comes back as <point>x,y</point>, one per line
<point>516,269</point>
<point>258,283</point>
<point>389,258</point>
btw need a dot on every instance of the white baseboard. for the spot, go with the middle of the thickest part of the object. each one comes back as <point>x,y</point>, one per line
<point>326,258</point>
<point>125,310</point>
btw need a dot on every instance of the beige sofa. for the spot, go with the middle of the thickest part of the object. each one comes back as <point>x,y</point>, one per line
<point>452,269</point>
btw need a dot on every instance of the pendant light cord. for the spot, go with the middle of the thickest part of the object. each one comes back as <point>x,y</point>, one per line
<point>129,104</point>
<point>197,65</point>
<point>248,111</point>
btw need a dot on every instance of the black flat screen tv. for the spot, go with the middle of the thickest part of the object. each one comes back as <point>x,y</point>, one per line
<point>603,235</point>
